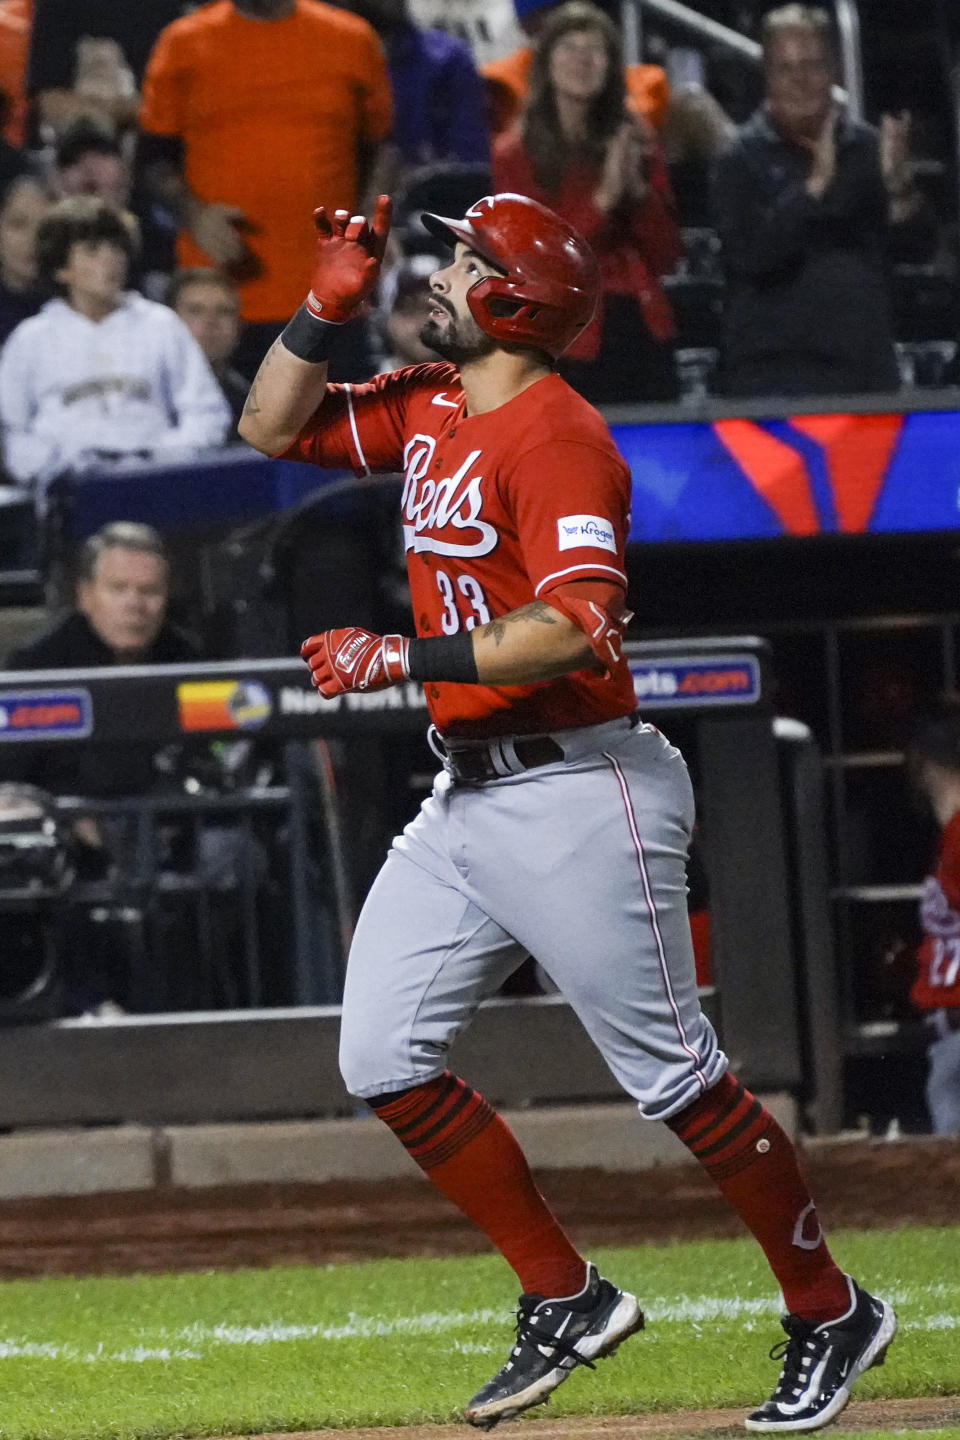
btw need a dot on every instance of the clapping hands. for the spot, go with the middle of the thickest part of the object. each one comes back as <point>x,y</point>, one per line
<point>626,165</point>
<point>823,151</point>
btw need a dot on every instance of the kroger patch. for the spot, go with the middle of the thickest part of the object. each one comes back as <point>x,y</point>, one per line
<point>45,714</point>
<point>573,531</point>
<point>734,680</point>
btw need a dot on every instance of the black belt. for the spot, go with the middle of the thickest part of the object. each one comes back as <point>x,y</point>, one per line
<point>474,763</point>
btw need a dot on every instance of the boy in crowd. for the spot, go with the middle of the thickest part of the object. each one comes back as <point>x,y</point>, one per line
<point>100,374</point>
<point>208,304</point>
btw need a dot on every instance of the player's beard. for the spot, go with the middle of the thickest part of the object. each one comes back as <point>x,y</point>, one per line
<point>457,340</point>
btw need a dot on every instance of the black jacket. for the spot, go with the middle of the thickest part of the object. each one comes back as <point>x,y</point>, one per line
<point>76,768</point>
<point>807,309</point>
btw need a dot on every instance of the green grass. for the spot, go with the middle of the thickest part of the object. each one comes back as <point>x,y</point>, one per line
<point>397,1342</point>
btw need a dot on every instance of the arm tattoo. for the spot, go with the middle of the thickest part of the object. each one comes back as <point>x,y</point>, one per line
<point>251,406</point>
<point>537,610</point>
<point>252,402</point>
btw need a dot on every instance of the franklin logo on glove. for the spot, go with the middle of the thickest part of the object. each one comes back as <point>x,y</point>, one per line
<point>353,659</point>
<point>350,652</point>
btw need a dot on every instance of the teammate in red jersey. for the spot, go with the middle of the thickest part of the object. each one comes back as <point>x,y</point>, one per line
<point>934,758</point>
<point>559,824</point>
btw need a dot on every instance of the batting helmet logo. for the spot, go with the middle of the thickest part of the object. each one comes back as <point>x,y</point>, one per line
<point>550,284</point>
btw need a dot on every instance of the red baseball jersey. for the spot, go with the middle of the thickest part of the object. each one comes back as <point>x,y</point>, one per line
<point>938,958</point>
<point>498,510</point>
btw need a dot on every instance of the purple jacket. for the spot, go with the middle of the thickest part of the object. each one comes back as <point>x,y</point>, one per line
<point>438,104</point>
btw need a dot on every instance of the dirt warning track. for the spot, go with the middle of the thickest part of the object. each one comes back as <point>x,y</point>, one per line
<point>860,1185</point>
<point>924,1414</point>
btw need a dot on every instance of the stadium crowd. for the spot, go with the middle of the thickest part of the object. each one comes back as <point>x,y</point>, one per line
<point>184,146</point>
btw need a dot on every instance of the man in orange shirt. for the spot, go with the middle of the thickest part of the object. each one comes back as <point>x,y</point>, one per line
<point>253,110</point>
<point>507,79</point>
<point>15,16</point>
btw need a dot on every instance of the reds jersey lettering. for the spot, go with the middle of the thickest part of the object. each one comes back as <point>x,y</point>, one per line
<point>497,511</point>
<point>938,958</point>
<point>452,502</point>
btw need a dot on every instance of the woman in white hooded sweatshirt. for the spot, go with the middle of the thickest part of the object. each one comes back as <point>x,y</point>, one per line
<point>101,374</point>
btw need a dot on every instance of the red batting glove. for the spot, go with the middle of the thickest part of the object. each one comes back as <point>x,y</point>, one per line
<point>354,659</point>
<point>347,260</point>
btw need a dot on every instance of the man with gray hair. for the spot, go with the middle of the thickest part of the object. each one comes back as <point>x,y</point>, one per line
<point>119,618</point>
<point>809,204</point>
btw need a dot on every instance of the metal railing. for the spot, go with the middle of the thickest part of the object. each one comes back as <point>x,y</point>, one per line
<point>209,885</point>
<point>687,19</point>
<point>851,55</point>
<point>711,31</point>
<point>207,900</point>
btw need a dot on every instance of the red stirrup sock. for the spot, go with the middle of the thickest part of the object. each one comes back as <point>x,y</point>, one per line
<point>754,1164</point>
<point>471,1156</point>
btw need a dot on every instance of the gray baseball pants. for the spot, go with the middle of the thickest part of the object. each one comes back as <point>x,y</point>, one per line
<point>943,1078</point>
<point>580,863</point>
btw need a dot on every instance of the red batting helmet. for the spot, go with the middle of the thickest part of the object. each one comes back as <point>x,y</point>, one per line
<point>550,289</point>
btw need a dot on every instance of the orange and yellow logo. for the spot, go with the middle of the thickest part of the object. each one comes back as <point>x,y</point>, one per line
<point>223,704</point>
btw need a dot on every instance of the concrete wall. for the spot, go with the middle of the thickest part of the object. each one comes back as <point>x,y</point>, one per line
<point>136,1157</point>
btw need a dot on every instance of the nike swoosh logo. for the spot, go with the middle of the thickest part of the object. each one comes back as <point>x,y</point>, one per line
<point>548,1350</point>
<point>439,400</point>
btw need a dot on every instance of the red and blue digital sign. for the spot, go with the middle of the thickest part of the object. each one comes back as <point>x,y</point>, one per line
<point>45,714</point>
<point>738,479</point>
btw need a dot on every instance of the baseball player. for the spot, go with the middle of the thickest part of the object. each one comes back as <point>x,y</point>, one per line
<point>559,823</point>
<point>933,756</point>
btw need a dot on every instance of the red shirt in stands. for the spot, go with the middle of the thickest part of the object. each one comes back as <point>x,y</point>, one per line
<point>938,959</point>
<point>498,510</point>
<point>634,246</point>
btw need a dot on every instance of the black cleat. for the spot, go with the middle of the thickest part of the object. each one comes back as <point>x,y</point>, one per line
<point>553,1338</point>
<point>821,1363</point>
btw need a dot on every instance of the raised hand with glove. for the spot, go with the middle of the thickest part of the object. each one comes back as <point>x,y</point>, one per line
<point>292,379</point>
<point>346,265</point>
